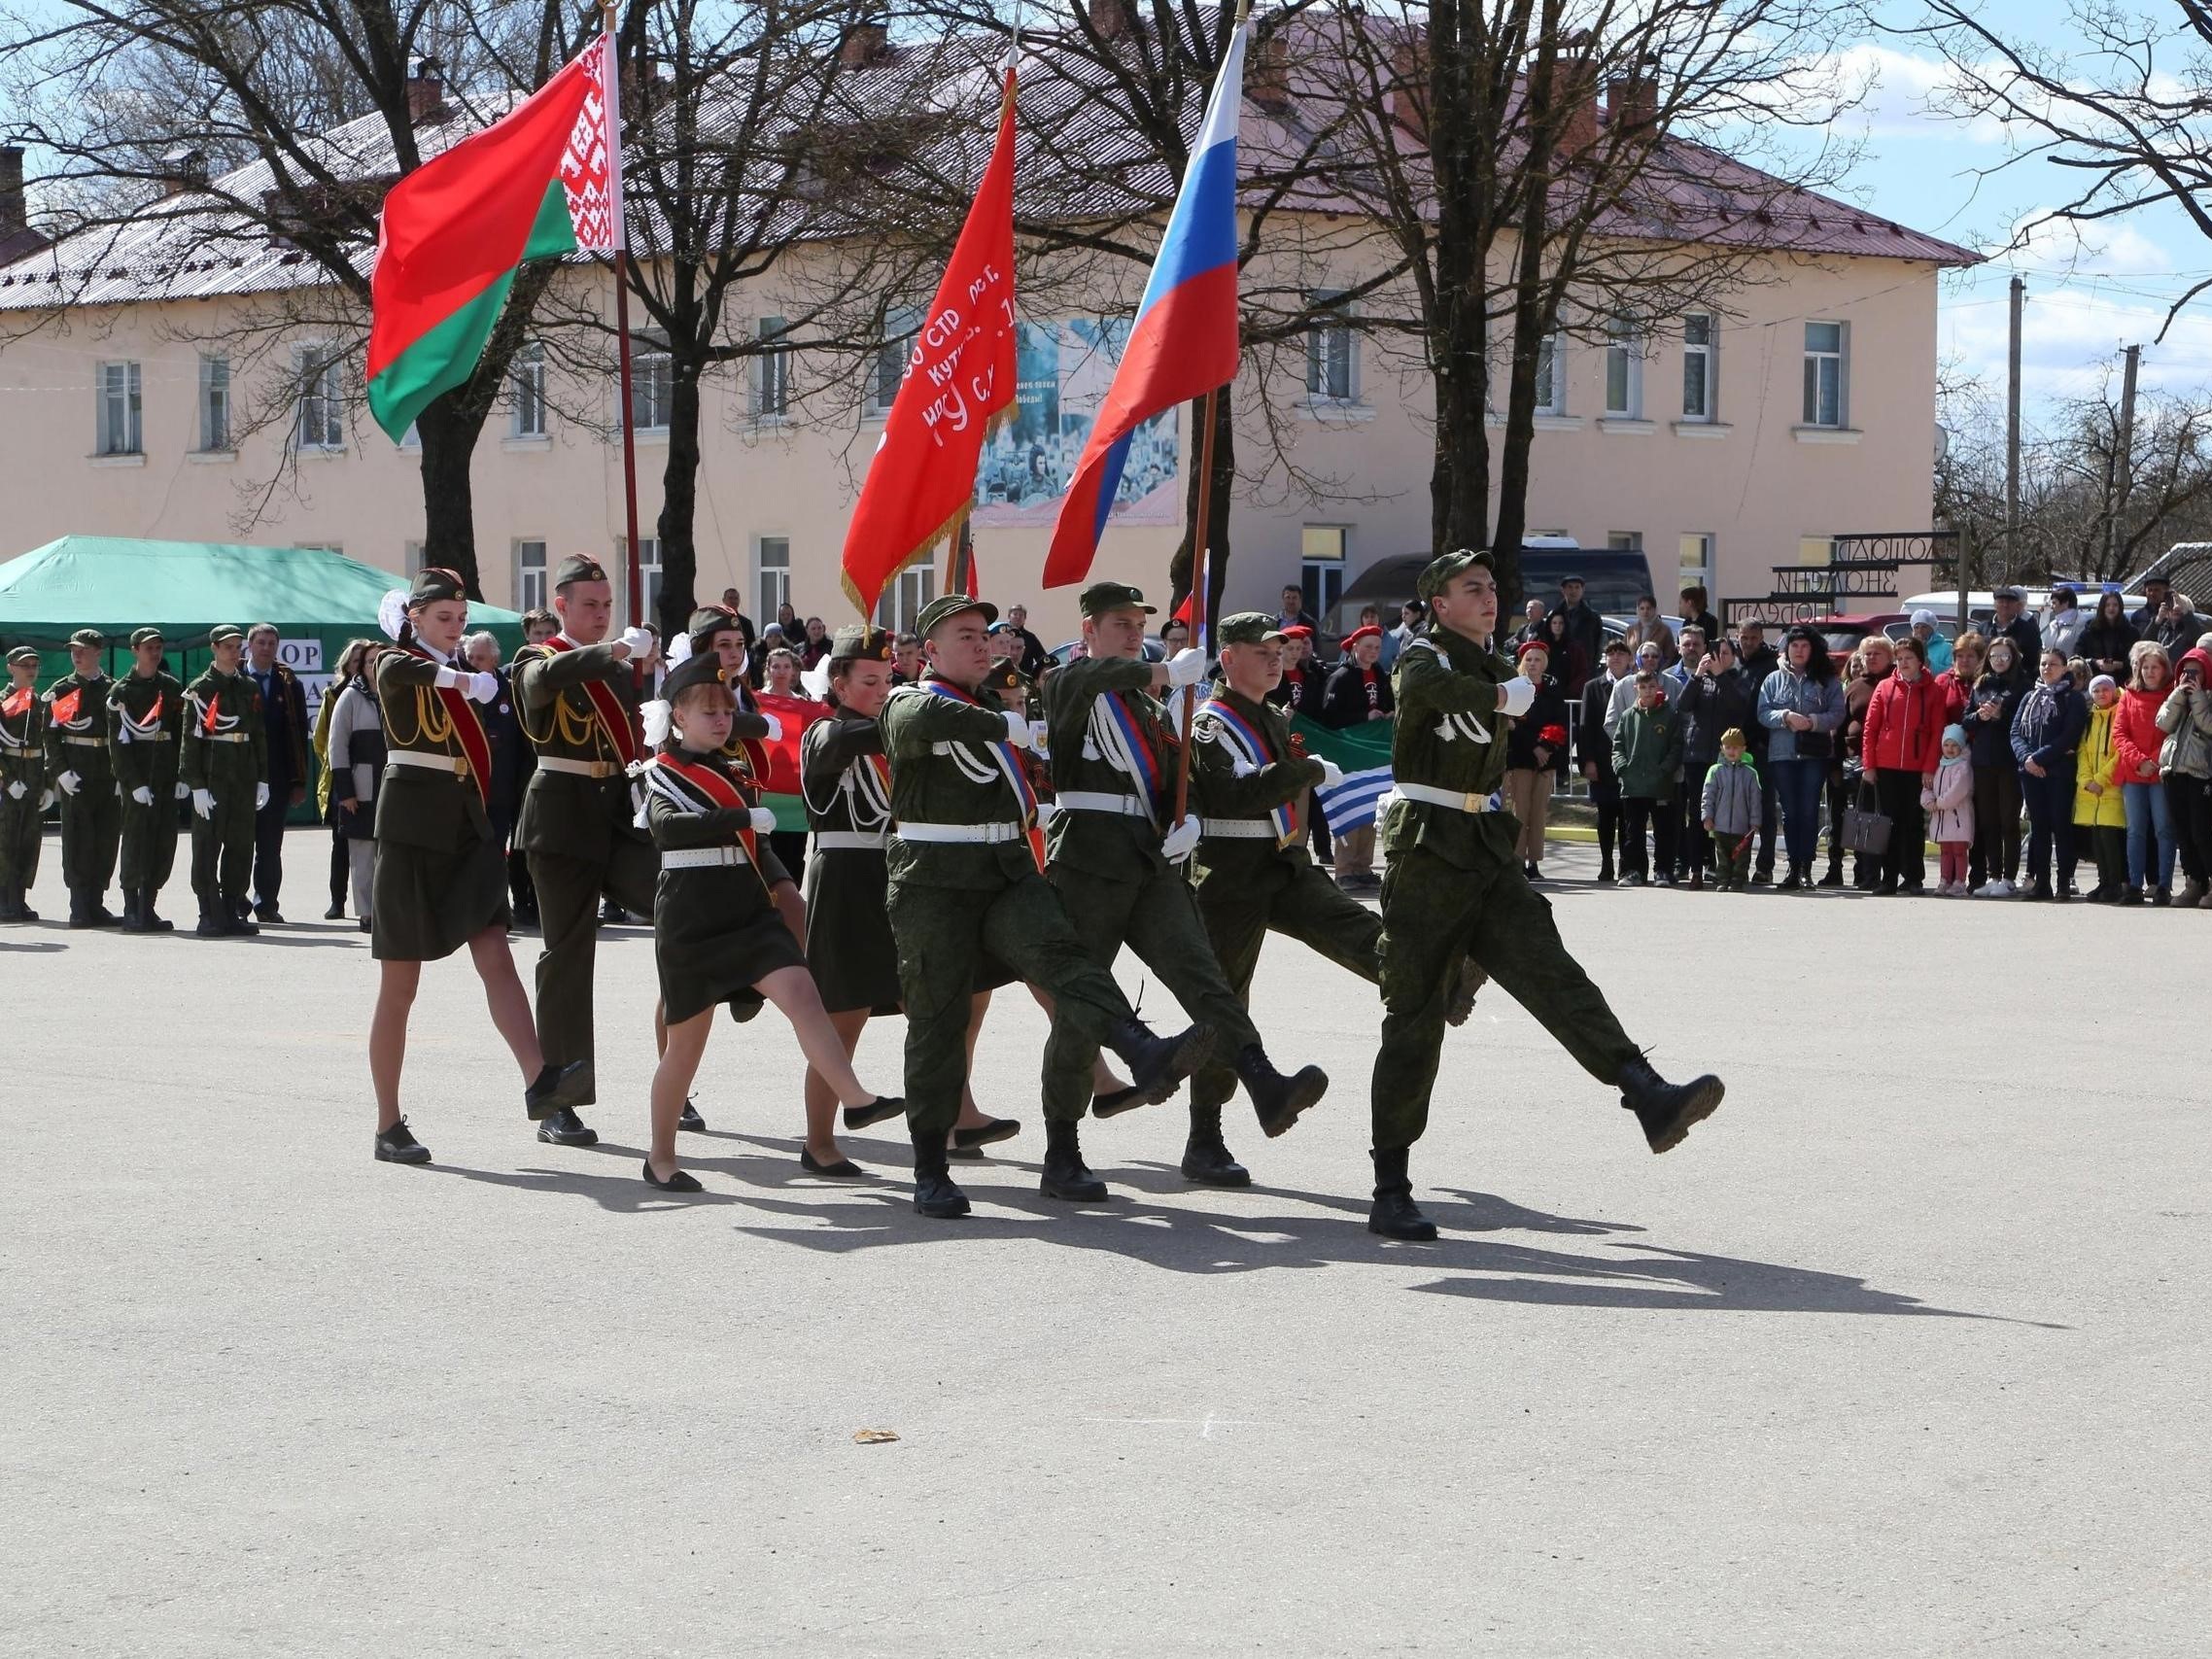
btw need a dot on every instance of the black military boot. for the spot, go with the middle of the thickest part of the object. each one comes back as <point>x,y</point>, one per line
<point>23,911</point>
<point>213,923</point>
<point>563,1127</point>
<point>81,908</point>
<point>1157,1065</point>
<point>1667,1110</point>
<point>132,922</point>
<point>1067,1175</point>
<point>934,1194</point>
<point>237,917</point>
<point>1393,1213</point>
<point>1278,1099</point>
<point>1206,1157</point>
<point>147,918</point>
<point>10,902</point>
<point>396,1145</point>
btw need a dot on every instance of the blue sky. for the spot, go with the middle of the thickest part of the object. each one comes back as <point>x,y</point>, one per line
<point>2087,298</point>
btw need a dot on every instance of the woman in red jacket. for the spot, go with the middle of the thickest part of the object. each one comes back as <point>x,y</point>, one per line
<point>2135,745</point>
<point>1901,749</point>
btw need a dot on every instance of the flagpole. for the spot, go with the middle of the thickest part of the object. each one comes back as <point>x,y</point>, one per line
<point>634,590</point>
<point>1201,611</point>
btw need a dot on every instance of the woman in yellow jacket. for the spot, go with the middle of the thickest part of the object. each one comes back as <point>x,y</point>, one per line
<point>2100,814</point>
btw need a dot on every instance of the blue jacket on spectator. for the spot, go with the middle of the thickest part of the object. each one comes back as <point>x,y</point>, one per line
<point>1788,693</point>
<point>2048,727</point>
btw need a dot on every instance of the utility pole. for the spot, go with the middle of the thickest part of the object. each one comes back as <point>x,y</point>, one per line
<point>2122,457</point>
<point>2012,434</point>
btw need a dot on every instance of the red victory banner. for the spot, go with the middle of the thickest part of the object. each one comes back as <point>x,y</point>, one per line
<point>959,385</point>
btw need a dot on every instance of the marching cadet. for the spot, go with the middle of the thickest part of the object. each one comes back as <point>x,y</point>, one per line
<point>76,760</point>
<point>23,794</point>
<point>1252,871</point>
<point>224,767</point>
<point>577,700</point>
<point>717,935</point>
<point>440,880</point>
<point>1455,886</point>
<point>966,880</point>
<point>146,718</point>
<point>1116,864</point>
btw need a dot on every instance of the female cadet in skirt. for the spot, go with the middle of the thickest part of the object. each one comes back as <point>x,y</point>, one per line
<point>440,878</point>
<point>718,936</point>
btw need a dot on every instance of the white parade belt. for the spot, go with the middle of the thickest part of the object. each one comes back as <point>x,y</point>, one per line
<point>851,840</point>
<point>86,742</point>
<point>578,768</point>
<point>14,753</point>
<point>1436,796</point>
<point>965,835</point>
<point>1236,829</point>
<point>1097,801</point>
<point>703,857</point>
<point>220,738</point>
<point>449,763</point>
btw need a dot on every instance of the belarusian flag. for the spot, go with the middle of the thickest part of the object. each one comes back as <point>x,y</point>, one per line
<point>545,181</point>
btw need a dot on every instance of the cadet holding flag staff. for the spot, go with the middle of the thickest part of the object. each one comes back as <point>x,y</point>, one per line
<point>224,768</point>
<point>84,778</point>
<point>22,783</point>
<point>1455,887</point>
<point>146,718</point>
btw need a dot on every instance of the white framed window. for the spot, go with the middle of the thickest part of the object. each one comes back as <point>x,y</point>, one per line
<point>1333,354</point>
<point>119,420</point>
<point>891,357</point>
<point>319,420</point>
<point>900,608</point>
<point>771,574</point>
<point>1624,371</point>
<point>411,558</point>
<point>1701,342</point>
<point>652,383</point>
<point>1694,556</point>
<point>530,575</point>
<point>772,373</point>
<point>1321,566</point>
<point>1825,381</point>
<point>1551,377</point>
<point>526,378</point>
<point>648,578</point>
<point>214,404</point>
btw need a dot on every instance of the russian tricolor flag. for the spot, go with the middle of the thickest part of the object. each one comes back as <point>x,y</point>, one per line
<point>1184,342</point>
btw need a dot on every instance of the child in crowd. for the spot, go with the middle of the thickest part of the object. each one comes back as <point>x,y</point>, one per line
<point>2100,810</point>
<point>1731,810</point>
<point>1648,759</point>
<point>1950,800</point>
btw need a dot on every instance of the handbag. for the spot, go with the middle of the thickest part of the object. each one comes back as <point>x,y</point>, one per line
<point>1816,746</point>
<point>1866,831</point>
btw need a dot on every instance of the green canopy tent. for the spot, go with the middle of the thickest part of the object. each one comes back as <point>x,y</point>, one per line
<point>318,599</point>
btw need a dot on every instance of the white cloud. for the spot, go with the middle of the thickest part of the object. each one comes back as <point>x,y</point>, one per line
<point>1900,96</point>
<point>2068,332</point>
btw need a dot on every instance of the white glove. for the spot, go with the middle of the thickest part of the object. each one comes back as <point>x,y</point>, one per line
<point>483,687</point>
<point>1017,730</point>
<point>204,803</point>
<point>143,795</point>
<point>183,790</point>
<point>260,796</point>
<point>1181,840</point>
<point>1520,695</point>
<point>1331,774</point>
<point>69,782</point>
<point>763,821</point>
<point>774,727</point>
<point>634,642</point>
<point>1046,810</point>
<point>1187,667</point>
<point>449,678</point>
<point>46,799</point>
<point>15,790</point>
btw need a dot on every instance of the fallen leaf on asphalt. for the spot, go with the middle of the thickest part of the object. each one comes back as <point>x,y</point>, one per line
<point>874,1437</point>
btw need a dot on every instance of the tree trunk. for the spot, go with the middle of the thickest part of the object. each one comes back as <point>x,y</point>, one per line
<point>448,430</point>
<point>1459,342</point>
<point>678,524</point>
<point>1179,575</point>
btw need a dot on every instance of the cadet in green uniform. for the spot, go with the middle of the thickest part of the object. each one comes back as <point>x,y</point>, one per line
<point>23,794</point>
<point>440,880</point>
<point>965,882</point>
<point>577,700</point>
<point>146,719</point>
<point>225,767</point>
<point>1252,871</point>
<point>1117,864</point>
<point>717,935</point>
<point>76,760</point>
<point>1455,887</point>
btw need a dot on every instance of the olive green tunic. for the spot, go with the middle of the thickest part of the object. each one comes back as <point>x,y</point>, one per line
<point>92,818</point>
<point>22,791</point>
<point>849,948</point>
<point>146,722</point>
<point>441,876</point>
<point>224,750</point>
<point>716,931</point>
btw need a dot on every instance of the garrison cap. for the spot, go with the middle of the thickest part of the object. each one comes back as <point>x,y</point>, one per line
<point>707,621</point>
<point>1101,597</point>
<point>1445,566</point>
<point>1247,628</point>
<point>578,568</point>
<point>857,644</point>
<point>146,637</point>
<point>90,638</point>
<point>1004,676</point>
<point>223,630</point>
<point>23,654</point>
<point>434,584</point>
<point>948,605</point>
<point>704,669</point>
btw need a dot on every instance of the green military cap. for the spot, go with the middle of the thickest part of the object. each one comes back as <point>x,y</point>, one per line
<point>223,630</point>
<point>23,654</point>
<point>434,584</point>
<point>857,644</point>
<point>1445,566</point>
<point>578,568</point>
<point>1004,676</point>
<point>1101,597</point>
<point>705,668</point>
<point>707,621</point>
<point>90,639</point>
<point>1247,628</point>
<point>951,604</point>
<point>146,637</point>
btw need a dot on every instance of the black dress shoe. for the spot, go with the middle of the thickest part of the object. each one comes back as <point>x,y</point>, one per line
<point>336,911</point>
<point>555,1089</point>
<point>689,1119</point>
<point>682,1181</point>
<point>973,1141</point>
<point>366,926</point>
<point>1157,1065</point>
<point>612,913</point>
<point>269,914</point>
<point>1067,1175</point>
<point>1667,1110</point>
<point>1115,1101</point>
<point>877,1111</point>
<point>844,1169</point>
<point>563,1127</point>
<point>1393,1213</point>
<point>1279,1100</point>
<point>1206,1157</point>
<point>396,1146</point>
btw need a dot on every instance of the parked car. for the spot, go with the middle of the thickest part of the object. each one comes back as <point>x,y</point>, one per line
<point>1061,652</point>
<point>1614,579</point>
<point>1843,633</point>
